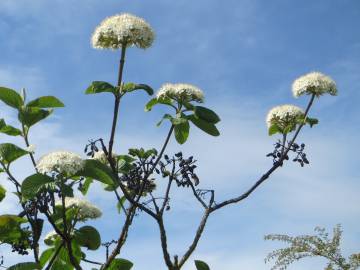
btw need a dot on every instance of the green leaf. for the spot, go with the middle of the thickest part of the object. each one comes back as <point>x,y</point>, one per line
<point>98,171</point>
<point>178,120</point>
<point>130,87</point>
<point>88,236</point>
<point>45,256</point>
<point>200,265</point>
<point>312,121</point>
<point>9,130</point>
<point>100,87</point>
<point>206,114</point>
<point>10,152</point>
<point>25,266</point>
<point>46,102</point>
<point>166,116</point>
<point>2,193</point>
<point>120,204</point>
<point>85,186</point>
<point>33,184</point>
<point>11,97</point>
<point>151,104</point>
<point>182,132</point>
<point>209,128</point>
<point>120,264</point>
<point>31,115</point>
<point>273,129</point>
<point>154,101</point>
<point>10,230</point>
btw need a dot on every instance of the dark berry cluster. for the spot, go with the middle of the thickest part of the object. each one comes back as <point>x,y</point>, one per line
<point>280,149</point>
<point>183,169</point>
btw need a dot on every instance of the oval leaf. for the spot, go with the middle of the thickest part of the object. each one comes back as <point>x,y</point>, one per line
<point>31,115</point>
<point>130,87</point>
<point>182,132</point>
<point>99,171</point>
<point>46,102</point>
<point>10,152</point>
<point>206,114</point>
<point>120,264</point>
<point>88,236</point>
<point>11,97</point>
<point>25,266</point>
<point>9,130</point>
<point>33,184</point>
<point>100,87</point>
<point>209,128</point>
<point>200,265</point>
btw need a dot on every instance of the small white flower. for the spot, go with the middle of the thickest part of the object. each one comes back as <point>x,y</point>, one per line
<point>314,83</point>
<point>31,148</point>
<point>115,31</point>
<point>86,210</point>
<point>63,162</point>
<point>283,115</point>
<point>180,92</point>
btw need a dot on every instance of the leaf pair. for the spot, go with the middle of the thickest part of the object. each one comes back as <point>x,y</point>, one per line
<point>103,87</point>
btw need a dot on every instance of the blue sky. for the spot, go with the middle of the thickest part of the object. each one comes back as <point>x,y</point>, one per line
<point>244,54</point>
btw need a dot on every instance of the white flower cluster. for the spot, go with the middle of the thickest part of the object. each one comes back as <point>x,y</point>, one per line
<point>314,83</point>
<point>115,31</point>
<point>63,162</point>
<point>180,92</point>
<point>283,115</point>
<point>86,210</point>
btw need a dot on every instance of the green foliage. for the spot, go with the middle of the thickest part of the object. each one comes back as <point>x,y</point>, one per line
<point>319,245</point>
<point>10,152</point>
<point>11,231</point>
<point>2,193</point>
<point>155,101</point>
<point>130,87</point>
<point>46,102</point>
<point>9,130</point>
<point>273,129</point>
<point>89,237</point>
<point>207,127</point>
<point>33,184</point>
<point>29,116</point>
<point>141,153</point>
<point>101,87</point>
<point>182,132</point>
<point>45,256</point>
<point>120,264</point>
<point>96,170</point>
<point>200,265</point>
<point>25,266</point>
<point>84,188</point>
<point>206,114</point>
<point>11,97</point>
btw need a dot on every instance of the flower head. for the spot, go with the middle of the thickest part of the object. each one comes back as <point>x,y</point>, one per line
<point>314,83</point>
<point>123,29</point>
<point>86,210</point>
<point>63,162</point>
<point>180,92</point>
<point>283,116</point>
